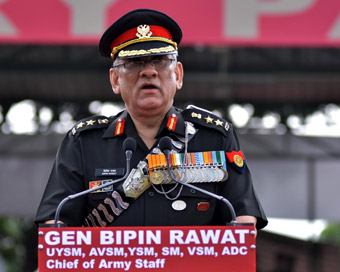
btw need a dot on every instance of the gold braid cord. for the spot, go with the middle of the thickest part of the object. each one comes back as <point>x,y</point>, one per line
<point>173,46</point>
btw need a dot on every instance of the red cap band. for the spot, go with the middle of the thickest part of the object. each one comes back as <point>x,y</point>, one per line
<point>157,31</point>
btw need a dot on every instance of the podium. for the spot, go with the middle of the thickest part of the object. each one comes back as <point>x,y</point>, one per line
<point>166,249</point>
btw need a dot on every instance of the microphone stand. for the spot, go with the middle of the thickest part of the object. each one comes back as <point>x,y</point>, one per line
<point>224,200</point>
<point>128,154</point>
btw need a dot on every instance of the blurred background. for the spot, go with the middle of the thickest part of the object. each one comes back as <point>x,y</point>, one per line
<point>271,67</point>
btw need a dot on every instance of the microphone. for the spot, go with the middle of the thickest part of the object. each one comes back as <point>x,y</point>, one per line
<point>165,146</point>
<point>129,146</point>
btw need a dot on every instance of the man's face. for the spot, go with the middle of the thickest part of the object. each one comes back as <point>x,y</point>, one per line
<point>147,84</point>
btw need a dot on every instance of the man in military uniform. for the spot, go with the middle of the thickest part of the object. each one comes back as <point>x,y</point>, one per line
<point>206,152</point>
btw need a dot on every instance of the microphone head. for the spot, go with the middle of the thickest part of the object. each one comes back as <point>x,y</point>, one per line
<point>165,144</point>
<point>129,144</point>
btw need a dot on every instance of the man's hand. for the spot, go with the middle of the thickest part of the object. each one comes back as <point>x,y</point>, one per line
<point>247,219</point>
<point>53,221</point>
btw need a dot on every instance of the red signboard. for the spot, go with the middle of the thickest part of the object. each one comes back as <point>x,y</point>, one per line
<point>166,249</point>
<point>218,22</point>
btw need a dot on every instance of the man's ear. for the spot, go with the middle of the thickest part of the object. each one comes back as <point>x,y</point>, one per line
<point>114,80</point>
<point>179,75</point>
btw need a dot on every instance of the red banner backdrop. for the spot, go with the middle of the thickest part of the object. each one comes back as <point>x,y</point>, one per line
<point>217,22</point>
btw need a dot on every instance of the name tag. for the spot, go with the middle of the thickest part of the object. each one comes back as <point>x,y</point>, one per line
<point>109,172</point>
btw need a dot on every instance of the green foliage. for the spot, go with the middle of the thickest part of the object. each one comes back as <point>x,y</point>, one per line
<point>331,234</point>
<point>12,250</point>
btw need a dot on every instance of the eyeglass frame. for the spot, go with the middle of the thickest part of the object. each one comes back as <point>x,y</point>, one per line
<point>145,62</point>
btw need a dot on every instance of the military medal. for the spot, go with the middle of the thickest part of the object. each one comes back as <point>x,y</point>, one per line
<point>195,167</point>
<point>176,173</point>
<point>163,165</point>
<point>220,174</point>
<point>156,177</point>
<point>208,161</point>
<point>203,175</point>
<point>212,166</point>
<point>166,177</point>
<point>221,161</point>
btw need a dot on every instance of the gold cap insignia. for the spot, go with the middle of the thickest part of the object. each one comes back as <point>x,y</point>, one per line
<point>143,31</point>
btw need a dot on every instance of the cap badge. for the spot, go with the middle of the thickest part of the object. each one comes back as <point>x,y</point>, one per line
<point>143,31</point>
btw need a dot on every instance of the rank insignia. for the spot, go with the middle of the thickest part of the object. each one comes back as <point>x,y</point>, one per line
<point>172,121</point>
<point>209,120</point>
<point>90,122</point>
<point>120,126</point>
<point>103,121</point>
<point>236,159</point>
<point>80,125</point>
<point>196,115</point>
<point>218,123</point>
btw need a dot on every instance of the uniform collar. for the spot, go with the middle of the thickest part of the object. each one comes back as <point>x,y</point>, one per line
<point>122,124</point>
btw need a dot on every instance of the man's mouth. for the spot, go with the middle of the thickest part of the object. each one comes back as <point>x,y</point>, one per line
<point>148,86</point>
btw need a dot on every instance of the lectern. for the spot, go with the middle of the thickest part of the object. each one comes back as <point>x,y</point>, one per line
<point>167,249</point>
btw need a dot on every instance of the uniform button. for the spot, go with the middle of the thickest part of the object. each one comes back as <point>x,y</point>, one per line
<point>193,191</point>
<point>151,194</point>
<point>179,205</point>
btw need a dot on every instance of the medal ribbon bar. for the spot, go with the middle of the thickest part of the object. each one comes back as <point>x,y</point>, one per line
<point>196,167</point>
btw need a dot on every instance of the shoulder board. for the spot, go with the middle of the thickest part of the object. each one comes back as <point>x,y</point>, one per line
<point>205,118</point>
<point>93,122</point>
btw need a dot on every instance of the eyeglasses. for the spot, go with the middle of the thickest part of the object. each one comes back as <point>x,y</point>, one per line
<point>137,66</point>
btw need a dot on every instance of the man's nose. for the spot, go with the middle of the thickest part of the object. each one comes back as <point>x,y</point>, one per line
<point>149,69</point>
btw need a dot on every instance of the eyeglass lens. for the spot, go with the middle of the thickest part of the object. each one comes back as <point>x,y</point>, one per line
<point>158,64</point>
